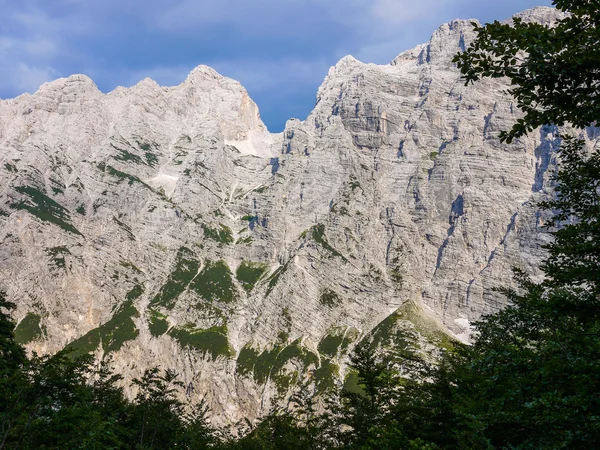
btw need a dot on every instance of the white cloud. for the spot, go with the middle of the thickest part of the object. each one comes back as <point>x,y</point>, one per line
<point>395,12</point>
<point>29,78</point>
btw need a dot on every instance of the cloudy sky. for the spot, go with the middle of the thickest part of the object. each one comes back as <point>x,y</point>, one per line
<point>279,49</point>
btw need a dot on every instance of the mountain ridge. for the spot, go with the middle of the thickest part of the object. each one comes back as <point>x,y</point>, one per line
<point>166,225</point>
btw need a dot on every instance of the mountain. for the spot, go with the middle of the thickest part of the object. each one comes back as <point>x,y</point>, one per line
<point>166,226</point>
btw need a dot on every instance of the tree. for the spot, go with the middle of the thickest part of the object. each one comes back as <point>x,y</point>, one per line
<point>531,376</point>
<point>12,381</point>
<point>554,71</point>
<point>157,420</point>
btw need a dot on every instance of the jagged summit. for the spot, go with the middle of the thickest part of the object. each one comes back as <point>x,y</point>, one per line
<point>77,82</point>
<point>544,15</point>
<point>202,73</point>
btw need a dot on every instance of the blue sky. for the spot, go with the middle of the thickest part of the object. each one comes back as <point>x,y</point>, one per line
<point>280,50</point>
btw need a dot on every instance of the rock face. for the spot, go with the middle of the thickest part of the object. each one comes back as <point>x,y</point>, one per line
<point>167,226</point>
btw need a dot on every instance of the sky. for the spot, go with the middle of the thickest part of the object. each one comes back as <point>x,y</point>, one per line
<point>280,50</point>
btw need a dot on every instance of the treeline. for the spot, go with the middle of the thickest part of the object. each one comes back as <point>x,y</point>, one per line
<point>67,402</point>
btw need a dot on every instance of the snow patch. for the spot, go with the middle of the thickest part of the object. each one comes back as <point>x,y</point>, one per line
<point>257,143</point>
<point>164,181</point>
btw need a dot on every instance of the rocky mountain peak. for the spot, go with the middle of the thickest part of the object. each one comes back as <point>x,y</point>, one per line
<point>202,74</point>
<point>167,226</point>
<point>543,15</point>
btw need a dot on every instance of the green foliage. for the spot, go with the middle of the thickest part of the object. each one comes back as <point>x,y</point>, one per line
<point>44,208</point>
<point>122,176</point>
<point>135,292</point>
<point>330,345</point>
<point>29,329</point>
<point>158,324</point>
<point>354,184</point>
<point>211,341</point>
<point>111,335</point>
<point>318,235</point>
<point>246,360</point>
<point>425,325</point>
<point>530,379</point>
<point>186,268</point>
<point>57,254</point>
<point>553,71</point>
<point>264,364</point>
<point>326,375</point>
<point>532,373</point>
<point>274,278</point>
<point>222,235</point>
<point>574,256</point>
<point>12,354</point>
<point>329,298</point>
<point>215,283</point>
<point>270,363</point>
<point>127,156</point>
<point>247,240</point>
<point>151,158</point>
<point>66,401</point>
<point>248,273</point>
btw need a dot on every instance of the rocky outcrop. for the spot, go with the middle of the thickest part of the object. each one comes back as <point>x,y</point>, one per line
<point>167,226</point>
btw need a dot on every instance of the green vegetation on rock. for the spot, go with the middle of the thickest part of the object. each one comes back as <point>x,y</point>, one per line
<point>329,298</point>
<point>246,240</point>
<point>425,325</point>
<point>269,364</point>
<point>246,360</point>
<point>330,345</point>
<point>222,235</point>
<point>131,179</point>
<point>111,335</point>
<point>215,282</point>
<point>318,235</point>
<point>29,330</point>
<point>148,148</point>
<point>211,341</point>
<point>157,323</point>
<point>127,156</point>
<point>274,278</point>
<point>248,273</point>
<point>326,375</point>
<point>135,293</point>
<point>129,265</point>
<point>186,268</point>
<point>44,208</point>
<point>57,254</point>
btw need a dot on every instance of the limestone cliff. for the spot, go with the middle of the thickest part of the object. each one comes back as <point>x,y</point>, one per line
<point>166,226</point>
